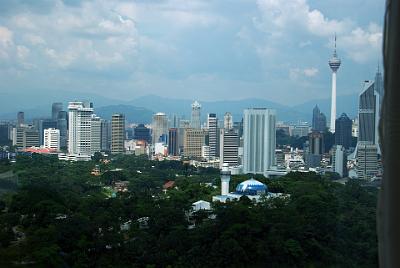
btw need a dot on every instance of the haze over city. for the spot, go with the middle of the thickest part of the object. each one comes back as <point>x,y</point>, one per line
<point>206,50</point>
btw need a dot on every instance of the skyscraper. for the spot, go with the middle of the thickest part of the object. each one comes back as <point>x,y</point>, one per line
<point>173,148</point>
<point>212,133</point>
<point>62,125</point>
<point>315,150</point>
<point>105,135</point>
<point>159,127</point>
<point>55,109</point>
<point>228,121</point>
<point>79,132</point>
<point>117,133</point>
<point>343,127</point>
<point>339,160</point>
<point>95,137</point>
<point>367,161</point>
<point>193,142</point>
<point>229,146</point>
<point>259,140</point>
<point>318,120</point>
<point>195,119</point>
<point>334,64</point>
<point>367,114</point>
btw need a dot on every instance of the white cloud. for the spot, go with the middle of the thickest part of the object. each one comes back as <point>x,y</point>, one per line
<point>299,73</point>
<point>6,37</point>
<point>310,72</point>
<point>22,52</point>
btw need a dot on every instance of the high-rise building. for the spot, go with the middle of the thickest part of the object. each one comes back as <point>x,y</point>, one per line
<point>79,132</point>
<point>316,149</point>
<point>195,119</point>
<point>25,137</point>
<point>228,121</point>
<point>5,134</point>
<point>141,132</point>
<point>379,83</point>
<point>95,138</point>
<point>367,161</point>
<point>159,127</point>
<point>105,135</point>
<point>173,148</point>
<point>229,146</point>
<point>52,138</point>
<point>193,141</point>
<point>239,127</point>
<point>318,120</point>
<point>367,114</point>
<point>20,118</point>
<point>212,134</point>
<point>300,130</point>
<point>62,125</point>
<point>55,109</point>
<point>339,160</point>
<point>343,128</point>
<point>259,140</point>
<point>117,133</point>
<point>280,158</point>
<point>334,64</point>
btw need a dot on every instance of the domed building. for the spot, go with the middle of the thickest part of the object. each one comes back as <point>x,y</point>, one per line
<point>251,188</point>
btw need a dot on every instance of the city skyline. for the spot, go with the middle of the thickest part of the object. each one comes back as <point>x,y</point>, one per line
<point>205,54</point>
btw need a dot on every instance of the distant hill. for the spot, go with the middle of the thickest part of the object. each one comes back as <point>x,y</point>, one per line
<point>132,113</point>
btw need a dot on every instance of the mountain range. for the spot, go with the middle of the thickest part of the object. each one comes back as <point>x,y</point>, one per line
<point>142,108</point>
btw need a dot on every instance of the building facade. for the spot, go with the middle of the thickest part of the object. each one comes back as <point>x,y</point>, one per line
<point>212,134</point>
<point>52,138</point>
<point>259,140</point>
<point>159,127</point>
<point>141,132</point>
<point>367,161</point>
<point>79,132</point>
<point>173,143</point>
<point>318,120</point>
<point>195,121</point>
<point>343,131</point>
<point>117,133</point>
<point>192,143</point>
<point>229,146</point>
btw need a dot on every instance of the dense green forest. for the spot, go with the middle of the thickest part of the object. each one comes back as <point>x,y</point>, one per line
<point>61,215</point>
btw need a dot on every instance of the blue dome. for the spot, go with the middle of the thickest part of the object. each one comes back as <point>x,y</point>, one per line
<point>251,187</point>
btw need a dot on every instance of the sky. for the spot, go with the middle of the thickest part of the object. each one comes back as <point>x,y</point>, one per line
<point>208,50</point>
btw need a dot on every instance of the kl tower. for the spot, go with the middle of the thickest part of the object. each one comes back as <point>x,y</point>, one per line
<point>334,63</point>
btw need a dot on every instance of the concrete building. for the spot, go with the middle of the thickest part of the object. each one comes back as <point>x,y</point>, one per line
<point>229,146</point>
<point>62,125</point>
<point>195,121</point>
<point>117,133</point>
<point>159,127</point>
<point>43,124</point>
<point>367,161</point>
<point>301,130</point>
<point>25,137</point>
<point>20,118</point>
<point>79,132</point>
<point>52,138</point>
<point>343,129</point>
<point>212,134</point>
<point>105,135</point>
<point>95,136</point>
<point>339,160</point>
<point>192,143</point>
<point>259,140</point>
<point>205,152</point>
<point>367,114</point>
<point>315,150</point>
<point>173,143</point>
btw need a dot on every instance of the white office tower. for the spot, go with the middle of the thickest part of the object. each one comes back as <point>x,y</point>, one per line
<point>225,178</point>
<point>229,146</point>
<point>339,160</point>
<point>228,121</point>
<point>334,64</point>
<point>259,140</point>
<point>212,134</point>
<point>79,132</point>
<point>205,152</point>
<point>95,141</point>
<point>52,138</point>
<point>367,161</point>
<point>195,120</point>
<point>159,127</point>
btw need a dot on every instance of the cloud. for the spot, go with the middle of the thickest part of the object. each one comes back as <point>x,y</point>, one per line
<point>299,73</point>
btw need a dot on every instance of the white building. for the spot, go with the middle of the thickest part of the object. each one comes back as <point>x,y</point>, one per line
<point>205,152</point>
<point>339,160</point>
<point>79,133</point>
<point>52,138</point>
<point>367,160</point>
<point>229,146</point>
<point>195,119</point>
<point>228,121</point>
<point>160,149</point>
<point>259,140</point>
<point>201,205</point>
<point>212,134</point>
